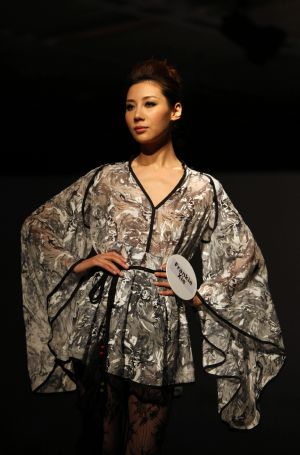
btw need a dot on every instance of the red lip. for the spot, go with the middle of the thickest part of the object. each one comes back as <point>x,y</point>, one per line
<point>140,128</point>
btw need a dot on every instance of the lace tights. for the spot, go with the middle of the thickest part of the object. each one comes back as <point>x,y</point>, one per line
<point>135,418</point>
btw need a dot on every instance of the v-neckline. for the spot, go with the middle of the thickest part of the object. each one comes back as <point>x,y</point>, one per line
<point>178,184</point>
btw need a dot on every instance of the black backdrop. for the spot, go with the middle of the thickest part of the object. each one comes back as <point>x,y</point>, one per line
<point>62,74</point>
<point>63,66</point>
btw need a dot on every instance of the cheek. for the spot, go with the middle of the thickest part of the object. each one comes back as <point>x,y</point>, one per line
<point>161,119</point>
<point>127,118</point>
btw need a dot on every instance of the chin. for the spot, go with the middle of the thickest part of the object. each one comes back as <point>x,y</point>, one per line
<point>142,140</point>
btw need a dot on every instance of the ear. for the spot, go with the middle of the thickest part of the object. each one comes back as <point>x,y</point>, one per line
<point>176,112</point>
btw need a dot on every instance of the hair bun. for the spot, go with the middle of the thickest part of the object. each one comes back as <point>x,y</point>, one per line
<point>162,72</point>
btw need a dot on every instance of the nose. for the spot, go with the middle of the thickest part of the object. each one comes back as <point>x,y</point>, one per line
<point>138,113</point>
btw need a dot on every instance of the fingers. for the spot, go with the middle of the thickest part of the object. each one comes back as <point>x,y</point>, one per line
<point>161,274</point>
<point>165,284</point>
<point>109,260</point>
<point>166,292</point>
<point>118,258</point>
<point>111,267</point>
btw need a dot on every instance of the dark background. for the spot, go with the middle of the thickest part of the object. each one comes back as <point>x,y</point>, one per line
<point>64,63</point>
<point>63,66</point>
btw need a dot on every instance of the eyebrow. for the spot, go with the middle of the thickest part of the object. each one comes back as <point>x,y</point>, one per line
<point>144,97</point>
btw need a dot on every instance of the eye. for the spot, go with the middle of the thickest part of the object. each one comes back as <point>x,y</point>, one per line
<point>150,103</point>
<point>129,107</point>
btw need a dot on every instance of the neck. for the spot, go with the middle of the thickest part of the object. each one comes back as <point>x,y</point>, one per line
<point>158,155</point>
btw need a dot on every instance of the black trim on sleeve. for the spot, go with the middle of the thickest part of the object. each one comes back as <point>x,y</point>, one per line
<point>238,329</point>
<point>207,369</point>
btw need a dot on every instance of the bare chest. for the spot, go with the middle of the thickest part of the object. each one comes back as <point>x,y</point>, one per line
<point>158,186</point>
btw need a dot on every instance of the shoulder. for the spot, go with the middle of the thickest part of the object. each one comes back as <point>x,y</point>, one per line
<point>204,180</point>
<point>104,170</point>
<point>205,183</point>
<point>115,167</point>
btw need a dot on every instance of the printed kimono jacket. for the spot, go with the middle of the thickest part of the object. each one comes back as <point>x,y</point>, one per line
<point>66,313</point>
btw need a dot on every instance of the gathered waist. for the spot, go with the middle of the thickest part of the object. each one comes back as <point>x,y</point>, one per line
<point>95,293</point>
<point>137,258</point>
<point>143,260</point>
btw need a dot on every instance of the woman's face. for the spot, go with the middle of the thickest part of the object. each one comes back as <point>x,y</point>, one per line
<point>148,114</point>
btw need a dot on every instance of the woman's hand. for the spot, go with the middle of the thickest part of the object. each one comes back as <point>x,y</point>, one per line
<point>196,300</point>
<point>105,260</point>
<point>165,284</point>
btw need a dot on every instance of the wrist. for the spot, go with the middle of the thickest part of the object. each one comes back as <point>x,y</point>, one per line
<point>197,301</point>
<point>80,268</point>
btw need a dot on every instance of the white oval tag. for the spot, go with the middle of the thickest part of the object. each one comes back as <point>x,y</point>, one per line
<point>181,276</point>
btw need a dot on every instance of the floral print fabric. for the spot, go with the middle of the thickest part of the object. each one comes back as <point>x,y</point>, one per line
<point>108,209</point>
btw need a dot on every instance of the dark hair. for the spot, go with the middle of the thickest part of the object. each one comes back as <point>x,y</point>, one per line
<point>162,72</point>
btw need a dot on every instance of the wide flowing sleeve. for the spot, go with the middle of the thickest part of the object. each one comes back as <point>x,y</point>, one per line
<point>242,339</point>
<point>54,238</point>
